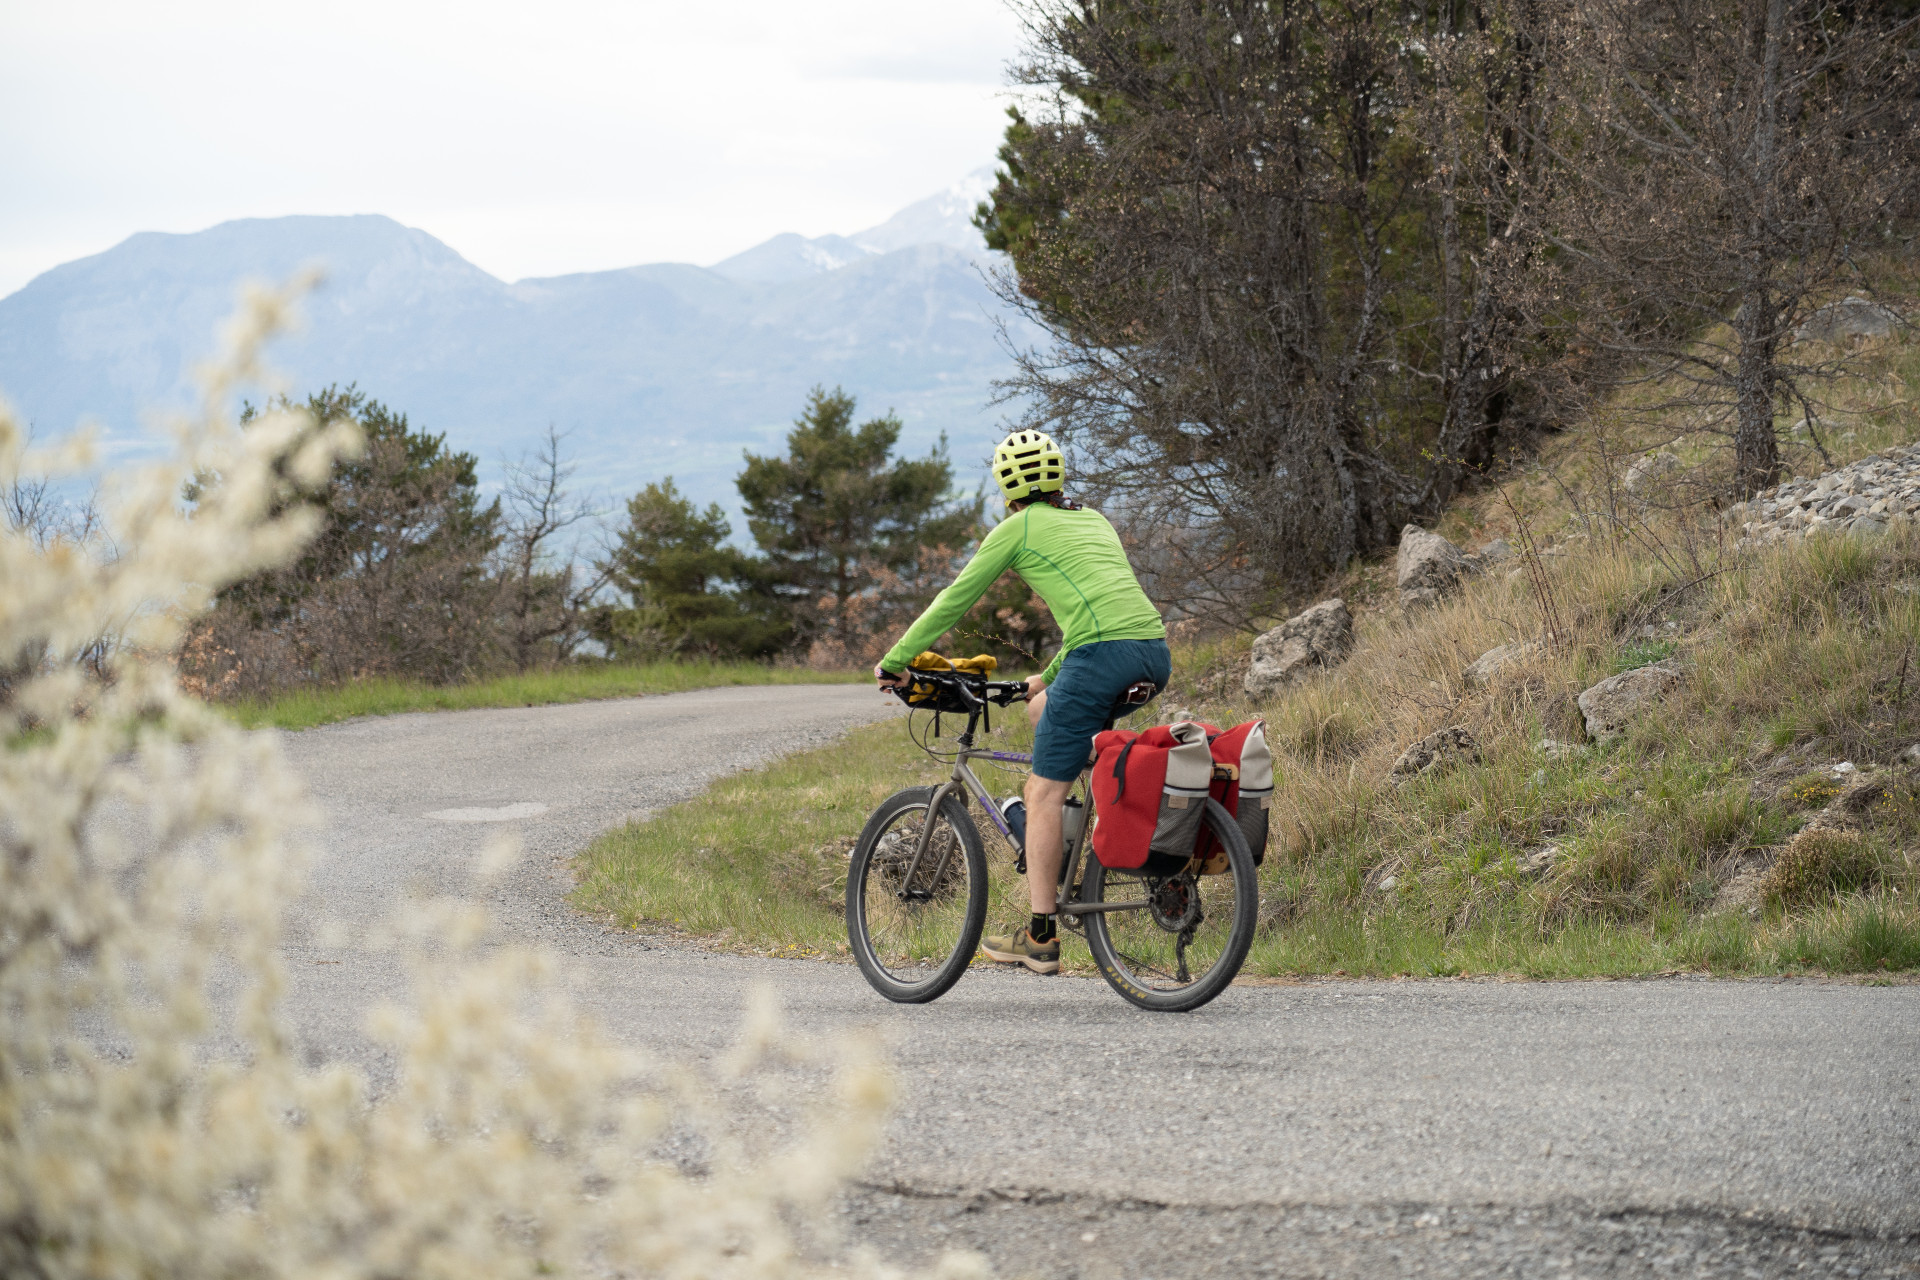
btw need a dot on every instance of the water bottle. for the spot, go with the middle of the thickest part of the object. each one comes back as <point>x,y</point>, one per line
<point>1073,818</point>
<point>1014,811</point>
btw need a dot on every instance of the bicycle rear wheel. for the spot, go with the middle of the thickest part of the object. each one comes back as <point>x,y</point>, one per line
<point>913,939</point>
<point>1188,937</point>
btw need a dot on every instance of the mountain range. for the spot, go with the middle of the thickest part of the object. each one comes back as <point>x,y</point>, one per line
<point>651,370</point>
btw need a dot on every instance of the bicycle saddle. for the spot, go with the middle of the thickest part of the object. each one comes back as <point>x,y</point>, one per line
<point>1138,694</point>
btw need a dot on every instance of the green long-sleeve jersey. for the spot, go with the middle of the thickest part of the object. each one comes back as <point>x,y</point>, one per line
<point>1072,559</point>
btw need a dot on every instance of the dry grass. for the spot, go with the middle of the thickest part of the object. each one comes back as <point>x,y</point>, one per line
<point>1793,658</point>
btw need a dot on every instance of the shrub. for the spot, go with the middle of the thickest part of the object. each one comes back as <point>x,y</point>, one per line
<point>1815,865</point>
<point>1811,791</point>
<point>517,1140</point>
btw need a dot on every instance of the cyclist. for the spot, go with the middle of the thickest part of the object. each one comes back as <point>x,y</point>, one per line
<point>1111,637</point>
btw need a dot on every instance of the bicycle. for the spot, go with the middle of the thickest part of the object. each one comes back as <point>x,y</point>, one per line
<point>1166,937</point>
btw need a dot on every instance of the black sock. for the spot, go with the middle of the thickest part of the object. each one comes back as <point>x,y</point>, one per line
<point>1041,930</point>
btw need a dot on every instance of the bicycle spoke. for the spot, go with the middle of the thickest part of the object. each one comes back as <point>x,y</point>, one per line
<point>915,911</point>
<point>1180,938</point>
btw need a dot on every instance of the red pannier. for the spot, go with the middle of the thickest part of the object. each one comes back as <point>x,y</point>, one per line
<point>1246,793</point>
<point>1151,790</point>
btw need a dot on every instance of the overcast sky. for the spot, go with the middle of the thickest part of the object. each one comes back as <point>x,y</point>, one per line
<point>533,138</point>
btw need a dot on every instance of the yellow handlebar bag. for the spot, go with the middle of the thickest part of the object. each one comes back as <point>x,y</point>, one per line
<point>984,664</point>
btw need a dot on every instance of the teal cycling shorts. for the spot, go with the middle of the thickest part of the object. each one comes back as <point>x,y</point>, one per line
<point>1081,698</point>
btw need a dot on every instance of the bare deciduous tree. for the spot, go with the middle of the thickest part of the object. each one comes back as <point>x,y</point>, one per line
<point>39,514</point>
<point>544,598</point>
<point>1716,168</point>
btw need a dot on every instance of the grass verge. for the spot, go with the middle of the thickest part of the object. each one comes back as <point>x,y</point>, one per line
<point>584,683</point>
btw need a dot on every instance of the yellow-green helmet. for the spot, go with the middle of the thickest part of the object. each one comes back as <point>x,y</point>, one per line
<point>1028,463</point>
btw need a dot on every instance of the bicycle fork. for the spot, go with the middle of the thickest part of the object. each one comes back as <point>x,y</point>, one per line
<point>962,782</point>
<point>925,840</point>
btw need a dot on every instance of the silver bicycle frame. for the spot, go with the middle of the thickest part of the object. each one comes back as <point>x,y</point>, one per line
<point>963,777</point>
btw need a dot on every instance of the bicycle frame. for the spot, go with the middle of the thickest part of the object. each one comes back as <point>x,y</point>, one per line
<point>963,777</point>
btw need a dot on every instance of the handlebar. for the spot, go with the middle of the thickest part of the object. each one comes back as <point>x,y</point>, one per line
<point>1000,693</point>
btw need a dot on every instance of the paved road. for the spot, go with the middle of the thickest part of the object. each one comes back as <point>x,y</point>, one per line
<point>1623,1128</point>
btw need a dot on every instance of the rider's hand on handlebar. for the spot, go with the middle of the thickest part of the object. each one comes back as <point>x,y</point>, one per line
<point>1036,686</point>
<point>887,679</point>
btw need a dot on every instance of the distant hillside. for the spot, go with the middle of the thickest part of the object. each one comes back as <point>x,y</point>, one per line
<point>659,369</point>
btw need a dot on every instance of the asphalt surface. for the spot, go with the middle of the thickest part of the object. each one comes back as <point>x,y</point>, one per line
<point>1662,1127</point>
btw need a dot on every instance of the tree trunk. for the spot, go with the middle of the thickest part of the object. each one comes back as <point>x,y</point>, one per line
<point>1755,448</point>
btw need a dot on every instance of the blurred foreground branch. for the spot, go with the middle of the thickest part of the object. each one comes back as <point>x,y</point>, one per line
<point>146,1130</point>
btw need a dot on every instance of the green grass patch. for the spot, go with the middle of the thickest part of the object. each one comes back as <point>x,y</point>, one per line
<point>583,683</point>
<point>1643,653</point>
<point>759,860</point>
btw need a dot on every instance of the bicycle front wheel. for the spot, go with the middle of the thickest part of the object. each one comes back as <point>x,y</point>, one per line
<point>1184,937</point>
<point>914,927</point>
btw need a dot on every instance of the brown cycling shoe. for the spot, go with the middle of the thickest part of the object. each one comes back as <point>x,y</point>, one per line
<point>1020,948</point>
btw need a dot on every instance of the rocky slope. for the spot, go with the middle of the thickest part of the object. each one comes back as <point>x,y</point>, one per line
<point>1862,497</point>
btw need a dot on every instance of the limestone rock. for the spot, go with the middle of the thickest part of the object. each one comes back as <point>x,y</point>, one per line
<point>1427,567</point>
<point>1613,704</point>
<point>1854,317</point>
<point>1863,499</point>
<point>1493,553</point>
<point>1320,637</point>
<point>1541,860</point>
<point>1646,475</point>
<point>1485,667</point>
<point>1437,750</point>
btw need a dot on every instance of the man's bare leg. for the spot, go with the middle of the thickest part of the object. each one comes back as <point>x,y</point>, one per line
<point>1036,700</point>
<point>1044,799</point>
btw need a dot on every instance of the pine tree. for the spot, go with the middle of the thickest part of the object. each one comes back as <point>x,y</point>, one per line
<point>395,582</point>
<point>838,518</point>
<point>690,593</point>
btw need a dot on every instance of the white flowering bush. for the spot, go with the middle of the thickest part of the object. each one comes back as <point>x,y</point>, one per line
<point>147,851</point>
